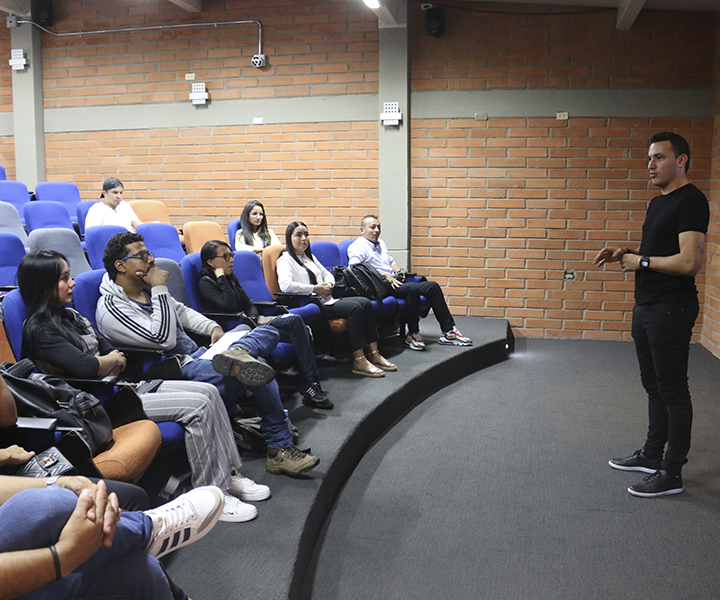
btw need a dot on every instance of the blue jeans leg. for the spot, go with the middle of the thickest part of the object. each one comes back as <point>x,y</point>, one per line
<point>260,342</point>
<point>293,327</point>
<point>34,519</point>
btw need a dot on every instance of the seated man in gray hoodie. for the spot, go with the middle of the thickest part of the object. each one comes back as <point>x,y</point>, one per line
<point>136,309</point>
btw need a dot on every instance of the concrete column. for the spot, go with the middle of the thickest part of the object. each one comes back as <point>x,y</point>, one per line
<point>28,121</point>
<point>394,142</point>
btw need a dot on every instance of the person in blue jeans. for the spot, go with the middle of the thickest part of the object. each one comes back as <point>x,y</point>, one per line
<point>60,544</point>
<point>135,308</point>
<point>220,291</point>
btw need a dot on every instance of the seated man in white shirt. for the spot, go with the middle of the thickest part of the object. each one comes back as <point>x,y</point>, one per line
<point>370,249</point>
<point>113,210</point>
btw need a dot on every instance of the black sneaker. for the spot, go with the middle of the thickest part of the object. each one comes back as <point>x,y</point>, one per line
<point>660,483</point>
<point>316,397</point>
<point>636,462</point>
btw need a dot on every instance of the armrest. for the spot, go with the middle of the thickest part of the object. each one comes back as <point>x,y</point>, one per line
<point>36,423</point>
<point>225,318</point>
<point>294,300</point>
<point>138,350</point>
<point>108,380</point>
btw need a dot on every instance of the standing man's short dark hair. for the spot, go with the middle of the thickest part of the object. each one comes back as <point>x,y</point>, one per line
<point>666,306</point>
<point>679,144</point>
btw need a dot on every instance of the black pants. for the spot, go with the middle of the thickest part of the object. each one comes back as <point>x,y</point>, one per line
<point>360,316</point>
<point>411,292</point>
<point>662,335</point>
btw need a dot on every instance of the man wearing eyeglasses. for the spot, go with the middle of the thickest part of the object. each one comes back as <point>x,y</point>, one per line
<point>136,309</point>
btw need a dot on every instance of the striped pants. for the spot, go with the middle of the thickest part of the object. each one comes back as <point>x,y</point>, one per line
<point>209,440</point>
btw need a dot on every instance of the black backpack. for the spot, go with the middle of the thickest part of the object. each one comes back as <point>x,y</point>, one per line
<point>363,280</point>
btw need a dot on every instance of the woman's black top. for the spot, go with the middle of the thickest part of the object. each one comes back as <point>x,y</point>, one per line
<point>225,295</point>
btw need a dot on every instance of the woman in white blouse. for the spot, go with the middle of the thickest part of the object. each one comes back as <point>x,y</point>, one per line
<point>300,272</point>
<point>254,233</point>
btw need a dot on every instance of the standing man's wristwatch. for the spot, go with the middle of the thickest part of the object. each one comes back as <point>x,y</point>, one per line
<point>644,262</point>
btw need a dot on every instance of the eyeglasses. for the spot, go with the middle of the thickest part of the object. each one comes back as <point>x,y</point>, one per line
<point>144,256</point>
<point>225,256</point>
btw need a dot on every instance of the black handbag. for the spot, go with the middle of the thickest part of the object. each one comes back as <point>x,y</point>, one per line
<point>48,397</point>
<point>46,464</point>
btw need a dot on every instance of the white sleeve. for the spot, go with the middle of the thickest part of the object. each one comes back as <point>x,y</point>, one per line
<point>356,253</point>
<point>94,216</point>
<point>292,278</point>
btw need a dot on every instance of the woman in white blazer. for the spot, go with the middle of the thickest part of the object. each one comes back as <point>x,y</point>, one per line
<point>300,272</point>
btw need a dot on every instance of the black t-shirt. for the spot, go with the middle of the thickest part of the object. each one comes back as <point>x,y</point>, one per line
<point>685,209</point>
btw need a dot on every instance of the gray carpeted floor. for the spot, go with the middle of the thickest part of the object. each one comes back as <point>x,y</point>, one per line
<point>498,488</point>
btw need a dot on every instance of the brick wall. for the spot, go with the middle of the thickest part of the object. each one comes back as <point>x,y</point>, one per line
<point>324,174</point>
<point>5,71</point>
<point>501,208</point>
<point>582,49</point>
<point>314,47</point>
<point>7,155</point>
<point>711,322</point>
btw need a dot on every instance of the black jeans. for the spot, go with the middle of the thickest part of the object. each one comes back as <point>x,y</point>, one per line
<point>411,292</point>
<point>360,316</point>
<point>662,335</point>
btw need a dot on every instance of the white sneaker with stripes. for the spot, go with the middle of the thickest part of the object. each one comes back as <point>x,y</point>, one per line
<point>184,520</point>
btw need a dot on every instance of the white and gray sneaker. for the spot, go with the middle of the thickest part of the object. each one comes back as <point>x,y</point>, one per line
<point>184,520</point>
<point>236,511</point>
<point>246,489</point>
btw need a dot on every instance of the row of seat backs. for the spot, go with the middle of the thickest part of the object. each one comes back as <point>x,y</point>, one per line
<point>64,241</point>
<point>161,239</point>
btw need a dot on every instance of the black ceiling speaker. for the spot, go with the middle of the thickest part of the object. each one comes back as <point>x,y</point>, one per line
<point>41,12</point>
<point>435,22</point>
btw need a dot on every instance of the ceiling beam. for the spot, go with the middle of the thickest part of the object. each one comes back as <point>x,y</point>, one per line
<point>21,8</point>
<point>627,13</point>
<point>392,13</point>
<point>188,5</point>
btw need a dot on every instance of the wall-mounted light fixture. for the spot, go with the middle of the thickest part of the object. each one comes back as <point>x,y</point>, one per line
<point>372,3</point>
<point>198,94</point>
<point>17,60</point>
<point>391,114</point>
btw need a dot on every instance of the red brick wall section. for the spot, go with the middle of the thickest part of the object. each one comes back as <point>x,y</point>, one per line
<point>501,208</point>
<point>711,322</point>
<point>323,174</point>
<point>533,49</point>
<point>314,47</point>
<point>7,155</point>
<point>5,71</point>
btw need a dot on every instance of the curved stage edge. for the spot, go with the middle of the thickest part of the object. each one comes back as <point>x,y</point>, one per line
<point>270,557</point>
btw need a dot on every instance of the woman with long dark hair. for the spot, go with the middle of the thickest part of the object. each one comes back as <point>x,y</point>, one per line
<point>254,233</point>
<point>220,291</point>
<point>299,271</point>
<point>61,340</point>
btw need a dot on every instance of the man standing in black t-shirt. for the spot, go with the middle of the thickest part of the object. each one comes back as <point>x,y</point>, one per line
<point>666,306</point>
